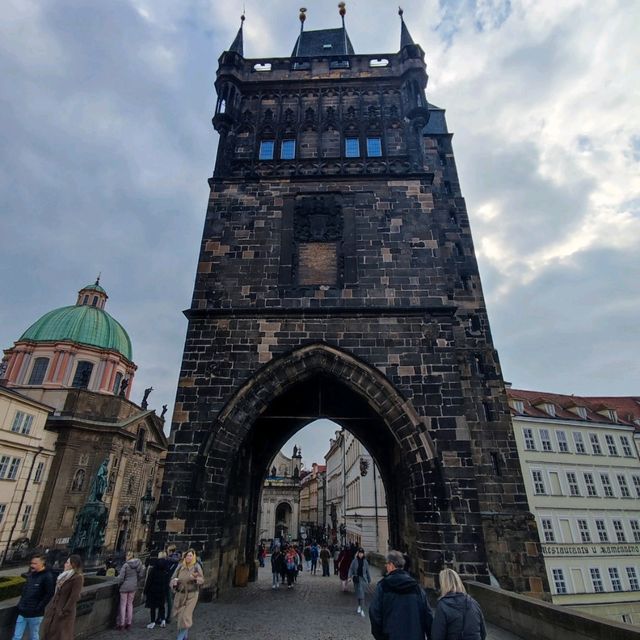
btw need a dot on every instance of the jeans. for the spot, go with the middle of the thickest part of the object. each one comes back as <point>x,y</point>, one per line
<point>182,634</point>
<point>32,624</point>
<point>275,579</point>
<point>126,608</point>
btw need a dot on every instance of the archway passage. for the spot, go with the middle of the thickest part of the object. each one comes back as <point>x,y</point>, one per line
<point>316,381</point>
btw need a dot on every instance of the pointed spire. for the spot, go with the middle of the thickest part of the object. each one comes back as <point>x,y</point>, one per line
<point>405,36</point>
<point>98,279</point>
<point>303,17</point>
<point>236,45</point>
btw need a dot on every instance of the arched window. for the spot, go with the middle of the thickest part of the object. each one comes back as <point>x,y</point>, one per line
<point>78,480</point>
<point>116,384</point>
<point>94,302</point>
<point>39,369</point>
<point>141,439</point>
<point>82,375</point>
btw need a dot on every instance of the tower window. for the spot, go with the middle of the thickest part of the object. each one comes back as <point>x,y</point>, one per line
<point>352,148</point>
<point>83,375</point>
<point>288,150</point>
<point>85,300</point>
<point>39,369</point>
<point>116,384</point>
<point>94,302</point>
<point>374,147</point>
<point>266,150</point>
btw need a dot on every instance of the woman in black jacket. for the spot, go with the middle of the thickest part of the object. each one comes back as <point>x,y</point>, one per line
<point>155,590</point>
<point>458,615</point>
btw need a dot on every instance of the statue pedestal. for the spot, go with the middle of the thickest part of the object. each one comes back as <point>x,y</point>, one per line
<point>89,532</point>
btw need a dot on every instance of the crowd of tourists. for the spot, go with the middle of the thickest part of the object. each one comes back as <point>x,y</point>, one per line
<point>171,581</point>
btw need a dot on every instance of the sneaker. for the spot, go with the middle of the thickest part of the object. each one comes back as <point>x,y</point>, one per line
<point>151,625</point>
<point>163,624</point>
<point>359,610</point>
<point>362,613</point>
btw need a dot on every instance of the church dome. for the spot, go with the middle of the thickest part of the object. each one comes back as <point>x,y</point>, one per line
<point>86,323</point>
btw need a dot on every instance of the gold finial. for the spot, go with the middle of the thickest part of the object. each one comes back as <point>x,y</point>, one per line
<point>400,12</point>
<point>303,14</point>
<point>342,8</point>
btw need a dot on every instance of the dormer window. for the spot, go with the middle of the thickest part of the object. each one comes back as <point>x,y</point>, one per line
<point>581,411</point>
<point>327,46</point>
<point>517,405</point>
<point>550,408</point>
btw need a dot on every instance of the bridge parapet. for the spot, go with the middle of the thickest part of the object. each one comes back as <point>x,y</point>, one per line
<point>533,619</point>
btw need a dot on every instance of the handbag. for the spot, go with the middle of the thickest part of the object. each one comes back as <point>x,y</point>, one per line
<point>356,579</point>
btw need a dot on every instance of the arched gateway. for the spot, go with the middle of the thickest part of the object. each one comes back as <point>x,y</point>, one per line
<point>337,279</point>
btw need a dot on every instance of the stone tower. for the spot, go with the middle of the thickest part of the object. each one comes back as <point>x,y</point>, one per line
<point>337,278</point>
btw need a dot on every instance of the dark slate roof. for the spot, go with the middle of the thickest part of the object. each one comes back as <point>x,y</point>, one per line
<point>312,43</point>
<point>237,44</point>
<point>437,123</point>
<point>405,36</point>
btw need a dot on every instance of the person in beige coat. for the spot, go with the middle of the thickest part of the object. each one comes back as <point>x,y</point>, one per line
<point>60,615</point>
<point>186,582</point>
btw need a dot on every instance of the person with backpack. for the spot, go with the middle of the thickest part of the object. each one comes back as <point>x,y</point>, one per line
<point>325,556</point>
<point>291,566</point>
<point>130,577</point>
<point>458,615</point>
<point>315,554</point>
<point>399,609</point>
<point>360,576</point>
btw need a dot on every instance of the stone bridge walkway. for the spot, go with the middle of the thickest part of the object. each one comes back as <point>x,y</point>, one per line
<point>315,609</point>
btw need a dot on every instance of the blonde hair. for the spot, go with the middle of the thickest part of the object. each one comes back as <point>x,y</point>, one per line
<point>161,555</point>
<point>450,582</point>
<point>130,555</point>
<point>186,553</point>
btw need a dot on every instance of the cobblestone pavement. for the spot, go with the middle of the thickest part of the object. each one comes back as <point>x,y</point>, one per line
<point>315,609</point>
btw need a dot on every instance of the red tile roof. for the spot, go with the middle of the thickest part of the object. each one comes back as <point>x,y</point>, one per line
<point>626,407</point>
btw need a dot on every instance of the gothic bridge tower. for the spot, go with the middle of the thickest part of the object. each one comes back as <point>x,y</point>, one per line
<point>337,279</point>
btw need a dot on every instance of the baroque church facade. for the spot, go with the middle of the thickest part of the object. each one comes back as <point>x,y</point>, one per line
<point>76,363</point>
<point>337,278</point>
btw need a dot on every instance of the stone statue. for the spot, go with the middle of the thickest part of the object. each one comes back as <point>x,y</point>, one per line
<point>123,387</point>
<point>164,410</point>
<point>91,522</point>
<point>295,451</point>
<point>99,485</point>
<point>147,393</point>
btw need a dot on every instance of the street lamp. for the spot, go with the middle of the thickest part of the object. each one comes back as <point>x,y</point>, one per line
<point>147,502</point>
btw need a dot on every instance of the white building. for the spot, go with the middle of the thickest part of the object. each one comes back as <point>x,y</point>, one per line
<point>355,494</point>
<point>279,517</point>
<point>581,469</point>
<point>26,452</point>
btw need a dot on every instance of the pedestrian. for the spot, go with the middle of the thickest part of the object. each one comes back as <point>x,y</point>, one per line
<point>36,593</point>
<point>186,582</point>
<point>261,554</point>
<point>344,563</point>
<point>155,590</point>
<point>277,560</point>
<point>325,556</point>
<point>291,566</point>
<point>315,553</point>
<point>60,615</point>
<point>336,557</point>
<point>307,557</point>
<point>360,576</point>
<point>131,574</point>
<point>458,615</point>
<point>399,609</point>
<point>173,559</point>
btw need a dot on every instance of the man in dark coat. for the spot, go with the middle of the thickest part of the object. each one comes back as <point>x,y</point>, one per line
<point>36,593</point>
<point>399,610</point>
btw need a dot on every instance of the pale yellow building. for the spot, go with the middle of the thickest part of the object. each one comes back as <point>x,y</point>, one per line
<point>581,470</point>
<point>26,453</point>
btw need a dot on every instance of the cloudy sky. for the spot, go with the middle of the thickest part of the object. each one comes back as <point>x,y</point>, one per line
<point>106,145</point>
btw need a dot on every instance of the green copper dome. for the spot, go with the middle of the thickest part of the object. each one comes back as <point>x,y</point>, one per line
<point>84,324</point>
